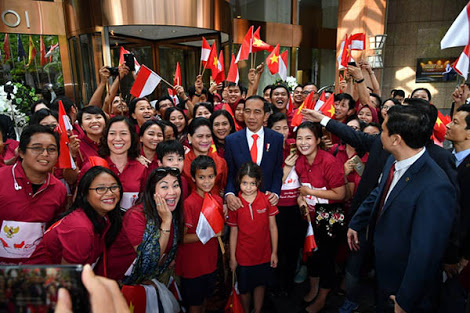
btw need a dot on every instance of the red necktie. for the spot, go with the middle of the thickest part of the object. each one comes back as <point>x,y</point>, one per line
<point>254,148</point>
<point>386,189</point>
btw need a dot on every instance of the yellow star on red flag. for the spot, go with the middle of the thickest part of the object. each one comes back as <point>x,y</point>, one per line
<point>274,59</point>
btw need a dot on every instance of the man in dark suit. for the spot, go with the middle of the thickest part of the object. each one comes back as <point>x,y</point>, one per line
<point>454,296</point>
<point>408,216</point>
<point>258,144</point>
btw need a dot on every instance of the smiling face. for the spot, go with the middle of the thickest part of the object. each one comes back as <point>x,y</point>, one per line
<point>39,163</point>
<point>153,135</point>
<point>177,118</point>
<point>103,203</point>
<point>172,159</point>
<point>202,111</point>
<point>163,106</point>
<point>342,110</point>
<point>254,114</point>
<point>201,140</point>
<point>221,127</point>
<point>143,112</point>
<point>204,180</point>
<point>119,138</point>
<point>267,95</point>
<point>365,114</point>
<point>119,106</point>
<point>169,189</point>
<point>387,105</point>
<point>93,124</point>
<point>233,94</point>
<point>307,143</point>
<point>282,128</point>
<point>279,99</point>
<point>239,112</point>
<point>248,186</point>
<point>298,96</point>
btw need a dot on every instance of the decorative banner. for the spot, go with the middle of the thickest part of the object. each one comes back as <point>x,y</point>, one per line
<point>435,70</point>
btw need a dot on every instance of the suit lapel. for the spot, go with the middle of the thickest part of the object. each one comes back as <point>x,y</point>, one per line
<point>266,140</point>
<point>465,163</point>
<point>244,149</point>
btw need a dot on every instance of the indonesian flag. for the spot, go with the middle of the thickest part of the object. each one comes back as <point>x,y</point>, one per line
<point>177,78</point>
<point>440,126</point>
<point>358,41</point>
<point>233,75</point>
<point>51,50</point>
<point>6,48</point>
<point>172,95</point>
<point>122,61</point>
<point>32,51</point>
<point>205,51</point>
<point>246,47</point>
<point>97,161</point>
<point>145,82</point>
<point>229,110</point>
<point>329,107</point>
<point>220,76</point>
<point>211,221</point>
<point>309,245</point>
<point>173,287</point>
<point>458,33</point>
<point>258,44</point>
<point>42,51</point>
<point>277,63</point>
<point>462,63</point>
<point>320,102</point>
<point>65,158</point>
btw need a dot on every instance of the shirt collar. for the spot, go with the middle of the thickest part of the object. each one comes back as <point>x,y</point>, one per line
<point>406,163</point>
<point>260,132</point>
<point>460,156</point>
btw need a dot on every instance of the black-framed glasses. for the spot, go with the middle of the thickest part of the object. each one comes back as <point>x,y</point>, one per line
<point>40,150</point>
<point>168,170</point>
<point>102,190</point>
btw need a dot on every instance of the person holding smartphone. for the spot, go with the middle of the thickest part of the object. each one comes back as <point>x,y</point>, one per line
<point>91,224</point>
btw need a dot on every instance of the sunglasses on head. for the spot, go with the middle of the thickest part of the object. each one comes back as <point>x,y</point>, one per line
<point>168,170</point>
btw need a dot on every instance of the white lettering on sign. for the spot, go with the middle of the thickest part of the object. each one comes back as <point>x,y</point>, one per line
<point>17,18</point>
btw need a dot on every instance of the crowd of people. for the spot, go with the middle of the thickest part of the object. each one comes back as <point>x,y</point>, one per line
<point>381,195</point>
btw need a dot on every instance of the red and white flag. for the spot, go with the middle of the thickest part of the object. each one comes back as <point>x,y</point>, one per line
<point>145,82</point>
<point>459,32</point>
<point>358,41</point>
<point>173,287</point>
<point>177,78</point>
<point>65,157</point>
<point>309,244</point>
<point>283,65</point>
<point>246,46</point>
<point>172,95</point>
<point>320,102</point>
<point>211,221</point>
<point>220,77</point>
<point>122,61</point>
<point>462,63</point>
<point>51,50</point>
<point>233,75</point>
<point>205,51</point>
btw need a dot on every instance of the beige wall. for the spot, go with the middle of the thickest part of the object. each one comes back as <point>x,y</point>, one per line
<point>415,29</point>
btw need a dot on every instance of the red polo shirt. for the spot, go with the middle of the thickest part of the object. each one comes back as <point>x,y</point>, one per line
<point>87,148</point>
<point>195,259</point>
<point>73,239</point>
<point>325,171</point>
<point>24,215</point>
<point>220,164</point>
<point>121,254</point>
<point>254,238</point>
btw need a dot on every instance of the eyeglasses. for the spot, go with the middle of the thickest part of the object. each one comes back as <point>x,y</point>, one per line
<point>103,190</point>
<point>40,150</point>
<point>168,170</point>
<point>306,92</point>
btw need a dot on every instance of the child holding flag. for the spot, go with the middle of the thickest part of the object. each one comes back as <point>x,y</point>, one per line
<point>253,238</point>
<point>196,262</point>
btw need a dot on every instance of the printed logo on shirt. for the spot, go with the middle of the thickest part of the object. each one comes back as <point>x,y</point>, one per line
<point>20,239</point>
<point>261,211</point>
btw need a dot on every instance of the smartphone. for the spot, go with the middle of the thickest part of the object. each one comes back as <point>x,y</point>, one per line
<point>293,148</point>
<point>352,63</point>
<point>358,165</point>
<point>34,288</point>
<point>129,59</point>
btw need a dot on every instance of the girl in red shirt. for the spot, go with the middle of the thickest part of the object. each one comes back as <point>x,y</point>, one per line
<point>93,121</point>
<point>151,134</point>
<point>253,238</point>
<point>322,180</point>
<point>176,116</point>
<point>91,224</point>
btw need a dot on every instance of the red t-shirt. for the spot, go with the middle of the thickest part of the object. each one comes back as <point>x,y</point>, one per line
<point>220,164</point>
<point>195,259</point>
<point>325,171</point>
<point>24,215</point>
<point>87,148</point>
<point>73,239</point>
<point>121,254</point>
<point>254,238</point>
<point>9,150</point>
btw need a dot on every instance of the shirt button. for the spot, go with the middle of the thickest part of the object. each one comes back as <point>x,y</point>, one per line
<point>29,193</point>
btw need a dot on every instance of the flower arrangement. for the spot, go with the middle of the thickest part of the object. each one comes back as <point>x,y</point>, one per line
<point>290,82</point>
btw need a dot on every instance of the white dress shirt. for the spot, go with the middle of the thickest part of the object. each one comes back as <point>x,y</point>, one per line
<point>259,142</point>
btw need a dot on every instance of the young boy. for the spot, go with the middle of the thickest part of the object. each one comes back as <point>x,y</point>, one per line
<point>196,263</point>
<point>170,153</point>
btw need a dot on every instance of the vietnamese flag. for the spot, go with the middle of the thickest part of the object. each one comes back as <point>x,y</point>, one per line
<point>440,126</point>
<point>177,78</point>
<point>32,51</point>
<point>309,103</point>
<point>346,52</point>
<point>272,61</point>
<point>205,51</point>
<point>329,107</point>
<point>6,47</point>
<point>233,75</point>
<point>258,44</point>
<point>309,244</point>
<point>42,51</point>
<point>136,298</point>
<point>212,59</point>
<point>211,221</point>
<point>234,304</point>
<point>65,159</point>
<point>220,76</point>
<point>246,47</point>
